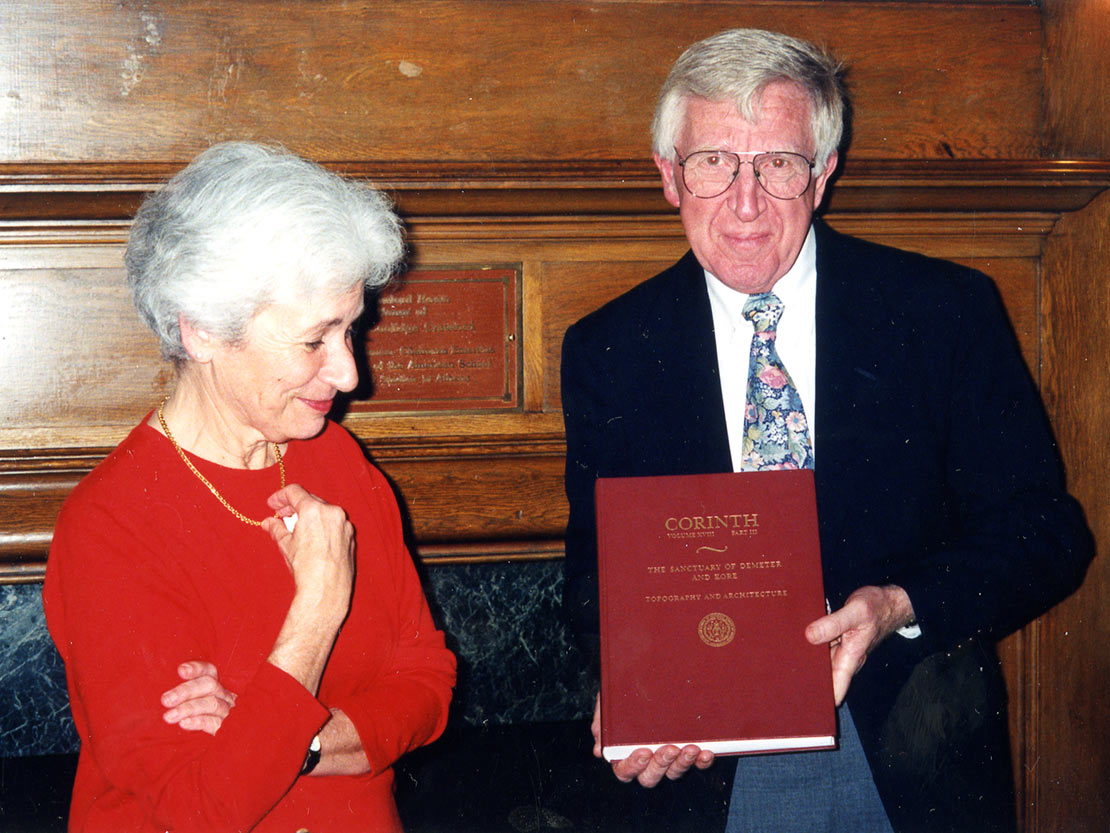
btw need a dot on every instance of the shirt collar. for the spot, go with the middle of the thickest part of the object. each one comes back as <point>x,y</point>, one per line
<point>796,289</point>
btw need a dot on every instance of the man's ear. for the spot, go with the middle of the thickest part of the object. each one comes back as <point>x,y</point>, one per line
<point>823,178</point>
<point>199,344</point>
<point>671,184</point>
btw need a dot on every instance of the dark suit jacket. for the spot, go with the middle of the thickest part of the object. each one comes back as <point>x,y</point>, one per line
<point>935,471</point>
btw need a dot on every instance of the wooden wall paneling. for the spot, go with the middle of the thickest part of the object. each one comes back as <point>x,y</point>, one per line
<point>532,326</point>
<point>32,488</point>
<point>1071,775</point>
<point>571,289</point>
<point>1067,785</point>
<point>1077,78</point>
<point>76,363</point>
<point>43,203</point>
<point>1018,656</point>
<point>434,80</point>
<point>458,497</point>
<point>569,265</point>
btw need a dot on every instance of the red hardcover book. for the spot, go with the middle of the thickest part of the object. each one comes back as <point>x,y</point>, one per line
<point>707,584</point>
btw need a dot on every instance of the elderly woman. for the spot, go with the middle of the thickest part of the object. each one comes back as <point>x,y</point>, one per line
<point>246,642</point>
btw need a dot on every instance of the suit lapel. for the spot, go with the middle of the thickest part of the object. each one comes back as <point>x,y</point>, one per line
<point>850,345</point>
<point>678,330</point>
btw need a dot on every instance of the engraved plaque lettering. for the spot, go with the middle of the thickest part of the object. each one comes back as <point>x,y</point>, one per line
<point>446,340</point>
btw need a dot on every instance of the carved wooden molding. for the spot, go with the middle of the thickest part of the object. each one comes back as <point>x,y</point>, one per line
<point>89,192</point>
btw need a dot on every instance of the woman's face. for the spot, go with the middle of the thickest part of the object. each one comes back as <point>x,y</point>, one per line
<point>281,379</point>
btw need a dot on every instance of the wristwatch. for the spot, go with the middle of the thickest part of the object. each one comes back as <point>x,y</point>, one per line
<point>311,757</point>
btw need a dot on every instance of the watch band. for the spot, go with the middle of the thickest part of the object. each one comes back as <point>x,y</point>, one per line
<point>312,756</point>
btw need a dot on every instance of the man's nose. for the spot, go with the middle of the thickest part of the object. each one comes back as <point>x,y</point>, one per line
<point>746,197</point>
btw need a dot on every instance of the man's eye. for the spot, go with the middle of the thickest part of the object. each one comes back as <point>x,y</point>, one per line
<point>713,160</point>
<point>313,345</point>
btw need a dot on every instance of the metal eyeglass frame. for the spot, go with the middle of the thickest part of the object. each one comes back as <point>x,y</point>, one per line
<point>736,171</point>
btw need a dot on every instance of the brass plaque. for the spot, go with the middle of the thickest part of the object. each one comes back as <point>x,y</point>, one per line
<point>446,340</point>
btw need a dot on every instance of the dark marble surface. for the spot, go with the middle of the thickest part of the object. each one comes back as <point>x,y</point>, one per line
<point>34,707</point>
<point>516,662</point>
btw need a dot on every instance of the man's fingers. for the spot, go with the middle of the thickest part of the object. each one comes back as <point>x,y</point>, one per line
<point>658,766</point>
<point>667,762</point>
<point>633,766</point>
<point>848,656</point>
<point>682,762</point>
<point>821,631</point>
<point>649,769</point>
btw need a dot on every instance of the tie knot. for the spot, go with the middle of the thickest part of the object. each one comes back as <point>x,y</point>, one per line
<point>763,310</point>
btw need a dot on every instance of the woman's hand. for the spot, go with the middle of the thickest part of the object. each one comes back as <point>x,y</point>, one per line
<point>201,703</point>
<point>320,552</point>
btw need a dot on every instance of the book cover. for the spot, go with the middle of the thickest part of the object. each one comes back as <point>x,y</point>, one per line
<point>707,583</point>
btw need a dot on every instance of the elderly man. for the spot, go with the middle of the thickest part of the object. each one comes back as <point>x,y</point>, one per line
<point>944,523</point>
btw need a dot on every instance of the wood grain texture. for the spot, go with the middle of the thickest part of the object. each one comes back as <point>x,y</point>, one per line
<point>479,79</point>
<point>1077,78</point>
<point>1069,785</point>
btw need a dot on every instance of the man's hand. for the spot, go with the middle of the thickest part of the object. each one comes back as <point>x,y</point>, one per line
<point>869,616</point>
<point>200,703</point>
<point>647,768</point>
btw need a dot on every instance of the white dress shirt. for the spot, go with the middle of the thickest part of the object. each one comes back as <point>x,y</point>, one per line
<point>796,341</point>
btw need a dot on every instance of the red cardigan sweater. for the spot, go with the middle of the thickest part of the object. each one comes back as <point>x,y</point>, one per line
<point>148,570</point>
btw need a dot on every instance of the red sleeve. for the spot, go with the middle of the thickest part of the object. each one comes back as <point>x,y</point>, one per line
<point>405,705</point>
<point>122,618</point>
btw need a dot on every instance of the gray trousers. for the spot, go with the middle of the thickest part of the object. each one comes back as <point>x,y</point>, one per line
<point>830,791</point>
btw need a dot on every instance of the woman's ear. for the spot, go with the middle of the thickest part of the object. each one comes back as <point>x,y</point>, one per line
<point>199,344</point>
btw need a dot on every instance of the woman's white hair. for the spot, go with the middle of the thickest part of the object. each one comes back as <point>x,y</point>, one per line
<point>245,225</point>
<point>736,65</point>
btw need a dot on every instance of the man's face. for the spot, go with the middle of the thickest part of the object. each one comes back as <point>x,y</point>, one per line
<point>746,237</point>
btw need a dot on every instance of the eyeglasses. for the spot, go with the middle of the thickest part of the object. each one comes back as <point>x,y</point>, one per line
<point>709,173</point>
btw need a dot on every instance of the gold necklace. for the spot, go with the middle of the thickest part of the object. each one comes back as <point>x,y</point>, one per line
<point>206,482</point>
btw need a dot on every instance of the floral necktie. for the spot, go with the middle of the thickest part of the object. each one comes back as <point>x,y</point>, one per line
<point>776,435</point>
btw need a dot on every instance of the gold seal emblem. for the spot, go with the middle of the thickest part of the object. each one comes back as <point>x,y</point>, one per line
<point>716,630</point>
